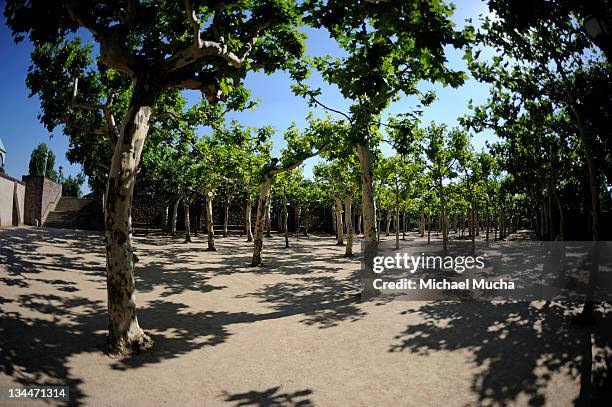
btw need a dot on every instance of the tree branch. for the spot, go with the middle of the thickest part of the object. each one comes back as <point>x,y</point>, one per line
<point>201,49</point>
<point>112,53</point>
<point>84,22</point>
<point>217,28</point>
<point>98,131</point>
<point>299,161</point>
<point>205,82</point>
<point>195,23</point>
<point>314,100</point>
<point>112,132</point>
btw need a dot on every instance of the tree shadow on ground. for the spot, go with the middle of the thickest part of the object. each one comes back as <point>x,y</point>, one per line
<point>270,398</point>
<point>173,280</point>
<point>325,301</point>
<point>35,351</point>
<point>176,331</point>
<point>42,332</point>
<point>22,256</point>
<point>517,348</point>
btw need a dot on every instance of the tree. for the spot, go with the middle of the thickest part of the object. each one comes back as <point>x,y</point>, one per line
<point>315,139</point>
<point>159,48</point>
<point>342,173</point>
<point>541,11</point>
<point>257,152</point>
<point>385,57</point>
<point>42,159</point>
<point>71,186</point>
<point>287,185</point>
<point>398,174</point>
<point>473,170</point>
<point>308,194</point>
<point>541,60</point>
<point>442,149</point>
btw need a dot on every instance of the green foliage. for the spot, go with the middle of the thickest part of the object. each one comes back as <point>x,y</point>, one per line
<point>71,185</point>
<point>390,47</point>
<point>342,174</point>
<point>37,162</point>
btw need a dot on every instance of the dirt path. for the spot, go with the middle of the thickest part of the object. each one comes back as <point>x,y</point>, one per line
<point>290,333</point>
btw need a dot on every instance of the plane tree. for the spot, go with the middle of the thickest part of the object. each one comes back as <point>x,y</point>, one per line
<point>255,151</point>
<point>287,188</point>
<point>308,195</point>
<point>398,174</point>
<point>389,48</point>
<point>157,47</point>
<point>441,149</point>
<point>342,174</point>
<point>543,63</point>
<point>317,137</point>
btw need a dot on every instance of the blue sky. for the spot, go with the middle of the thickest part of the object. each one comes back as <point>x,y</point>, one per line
<point>21,131</point>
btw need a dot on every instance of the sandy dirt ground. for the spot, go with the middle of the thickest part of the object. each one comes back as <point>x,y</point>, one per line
<point>290,333</point>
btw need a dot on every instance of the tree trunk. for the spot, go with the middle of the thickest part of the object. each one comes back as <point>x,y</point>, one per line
<point>428,229</point>
<point>359,219</point>
<point>285,218</point>
<point>174,215</point>
<point>264,195</point>
<point>298,216</point>
<point>443,215</point>
<point>495,216</point>
<point>210,228</point>
<point>226,215</point>
<point>388,228</point>
<point>334,226</point>
<point>247,218</point>
<point>348,218</point>
<point>561,214</point>
<point>164,222</point>
<point>422,224</point>
<point>473,222</point>
<point>339,224</point>
<point>594,186</point>
<point>306,221</point>
<point>268,219</point>
<point>125,334</point>
<point>187,221</point>
<point>397,218</point>
<point>369,220</point>
<point>279,224</point>
<point>488,215</point>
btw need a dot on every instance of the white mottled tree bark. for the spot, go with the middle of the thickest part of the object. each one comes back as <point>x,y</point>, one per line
<point>210,228</point>
<point>228,200</point>
<point>264,196</point>
<point>339,223</point>
<point>369,220</point>
<point>125,334</point>
<point>174,215</point>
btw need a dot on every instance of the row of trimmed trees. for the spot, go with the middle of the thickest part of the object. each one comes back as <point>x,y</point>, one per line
<point>123,107</point>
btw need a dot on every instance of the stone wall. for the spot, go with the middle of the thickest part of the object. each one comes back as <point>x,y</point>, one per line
<point>12,194</point>
<point>18,204</point>
<point>41,197</point>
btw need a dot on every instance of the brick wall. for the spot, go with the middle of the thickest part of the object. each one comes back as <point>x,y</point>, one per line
<point>41,197</point>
